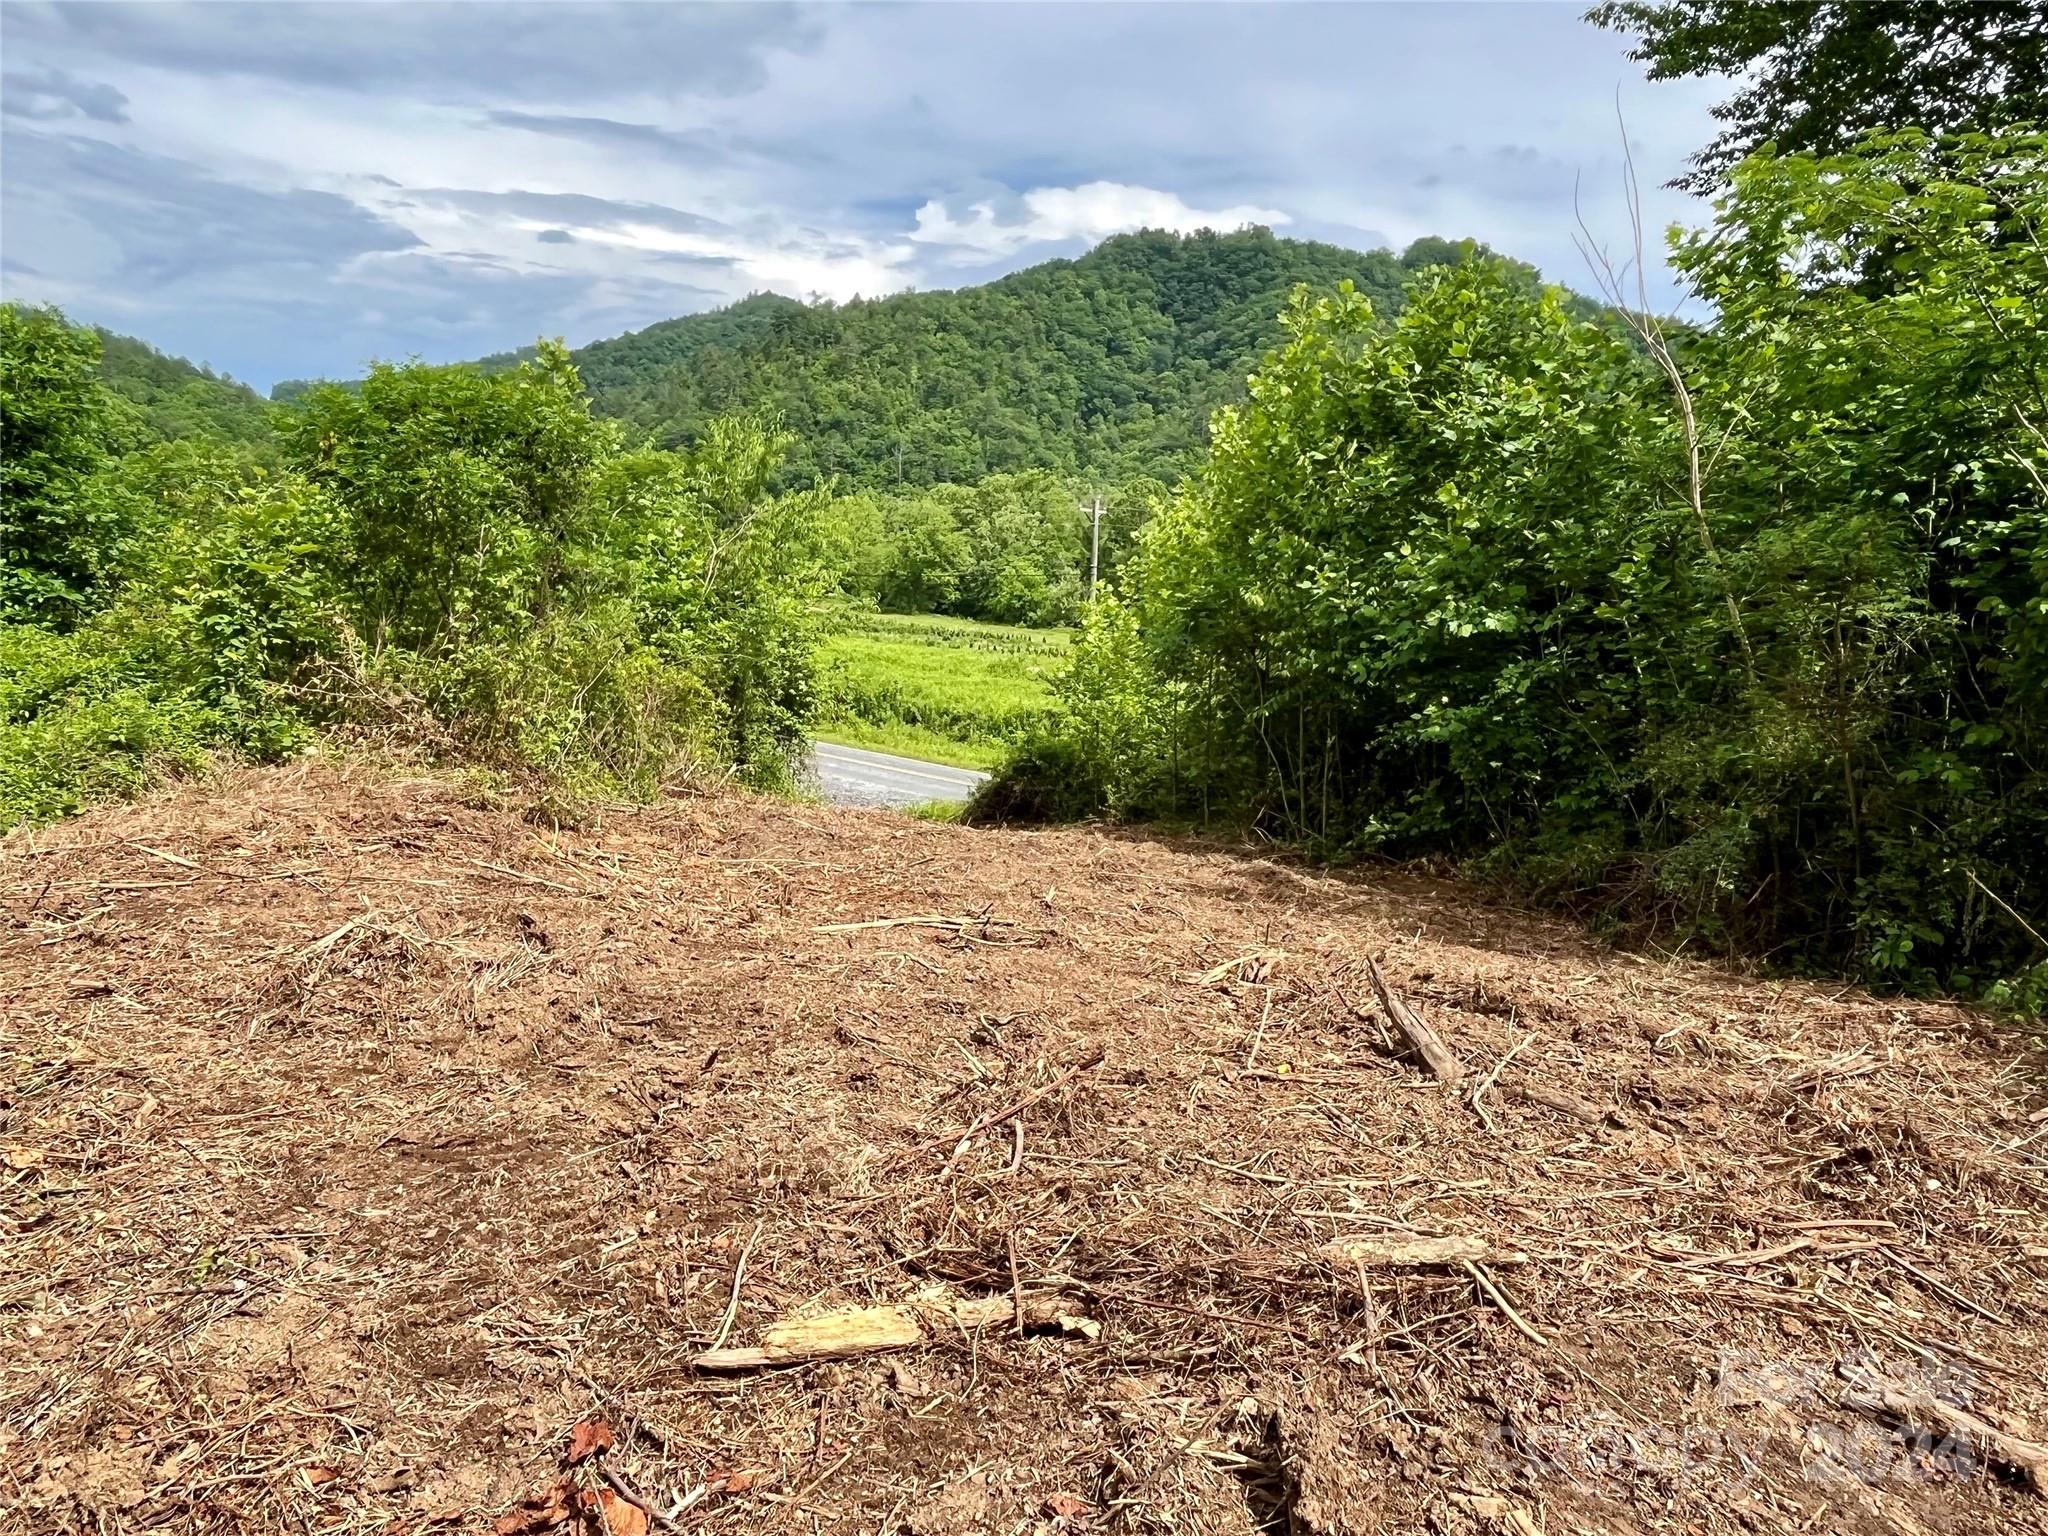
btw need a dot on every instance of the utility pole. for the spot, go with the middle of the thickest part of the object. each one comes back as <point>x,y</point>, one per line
<point>1095,550</point>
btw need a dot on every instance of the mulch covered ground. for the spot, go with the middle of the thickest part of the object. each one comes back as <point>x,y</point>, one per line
<point>374,1161</point>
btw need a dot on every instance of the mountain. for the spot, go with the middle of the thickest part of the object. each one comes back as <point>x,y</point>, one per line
<point>1107,364</point>
<point>178,399</point>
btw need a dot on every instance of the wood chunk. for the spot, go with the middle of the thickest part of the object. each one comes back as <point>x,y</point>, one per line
<point>1917,1408</point>
<point>853,1331</point>
<point>1425,1042</point>
<point>1564,1103</point>
<point>1402,1250</point>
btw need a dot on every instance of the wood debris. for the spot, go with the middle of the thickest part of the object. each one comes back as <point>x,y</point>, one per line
<point>1397,1250</point>
<point>348,1166</point>
<point>1424,1041</point>
<point>930,1316</point>
<point>1965,1435</point>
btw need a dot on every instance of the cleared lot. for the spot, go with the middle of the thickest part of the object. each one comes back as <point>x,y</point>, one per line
<point>360,1144</point>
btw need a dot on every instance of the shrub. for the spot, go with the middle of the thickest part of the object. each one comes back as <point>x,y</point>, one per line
<point>1047,778</point>
<point>1454,584</point>
<point>468,559</point>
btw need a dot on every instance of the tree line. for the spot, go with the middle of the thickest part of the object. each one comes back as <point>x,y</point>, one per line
<point>1102,367</point>
<point>1733,633</point>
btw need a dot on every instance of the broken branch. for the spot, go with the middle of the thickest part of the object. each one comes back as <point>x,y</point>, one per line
<point>1425,1042</point>
<point>907,1325</point>
<point>1409,1251</point>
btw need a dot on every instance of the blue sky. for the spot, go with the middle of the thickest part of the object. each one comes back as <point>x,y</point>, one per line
<point>289,190</point>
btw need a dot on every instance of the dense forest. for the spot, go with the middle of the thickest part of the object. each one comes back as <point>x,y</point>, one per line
<point>1104,366</point>
<point>174,399</point>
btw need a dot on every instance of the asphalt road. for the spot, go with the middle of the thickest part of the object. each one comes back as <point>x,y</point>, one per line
<point>856,776</point>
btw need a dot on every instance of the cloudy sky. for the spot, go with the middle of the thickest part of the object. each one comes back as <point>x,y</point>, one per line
<point>288,190</point>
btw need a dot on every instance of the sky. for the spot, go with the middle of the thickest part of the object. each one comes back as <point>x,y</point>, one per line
<point>289,190</point>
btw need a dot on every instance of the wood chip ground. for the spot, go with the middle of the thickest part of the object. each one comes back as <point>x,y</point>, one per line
<point>362,1147</point>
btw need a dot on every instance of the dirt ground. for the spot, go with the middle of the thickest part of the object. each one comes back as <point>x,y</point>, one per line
<point>368,1159</point>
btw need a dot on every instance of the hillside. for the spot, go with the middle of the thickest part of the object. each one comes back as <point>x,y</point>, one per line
<point>177,399</point>
<point>1110,363</point>
<point>360,1143</point>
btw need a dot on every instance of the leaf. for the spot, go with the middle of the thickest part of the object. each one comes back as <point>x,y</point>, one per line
<point>1069,1507</point>
<point>587,1439</point>
<point>616,1516</point>
<point>543,1512</point>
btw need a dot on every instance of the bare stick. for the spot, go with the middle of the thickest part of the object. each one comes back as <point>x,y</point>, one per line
<point>1563,1103</point>
<point>1400,1250</point>
<point>1650,332</point>
<point>1016,1284</point>
<point>1426,1042</point>
<point>987,1122</point>
<point>739,1275</point>
<point>1889,1400</point>
<point>1493,1077</point>
<point>854,1331</point>
<point>1493,1292</point>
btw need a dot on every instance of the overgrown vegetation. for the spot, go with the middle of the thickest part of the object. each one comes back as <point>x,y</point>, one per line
<point>1818,75</point>
<point>1752,646</point>
<point>1010,549</point>
<point>949,690</point>
<point>474,563</point>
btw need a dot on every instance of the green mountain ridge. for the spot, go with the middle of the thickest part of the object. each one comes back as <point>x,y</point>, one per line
<point>1106,364</point>
<point>175,398</point>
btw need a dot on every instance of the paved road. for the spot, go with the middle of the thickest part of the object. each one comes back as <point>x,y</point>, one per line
<point>856,776</point>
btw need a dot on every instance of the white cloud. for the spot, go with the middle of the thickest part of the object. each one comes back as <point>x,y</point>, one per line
<point>692,154</point>
<point>1090,212</point>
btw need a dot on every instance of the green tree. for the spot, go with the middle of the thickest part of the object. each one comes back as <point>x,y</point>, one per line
<point>1451,584</point>
<point>927,557</point>
<point>464,493</point>
<point>1818,75</point>
<point>60,536</point>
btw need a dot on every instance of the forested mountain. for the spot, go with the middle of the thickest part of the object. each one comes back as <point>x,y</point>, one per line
<point>177,399</point>
<point>1109,364</point>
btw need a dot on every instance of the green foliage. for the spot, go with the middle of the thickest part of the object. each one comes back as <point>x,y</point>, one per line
<point>1443,584</point>
<point>1818,75</point>
<point>175,400</point>
<point>1046,778</point>
<point>80,721</point>
<point>925,557</point>
<point>1010,549</point>
<point>462,495</point>
<point>470,560</point>
<point>950,690</point>
<point>59,538</point>
<point>1099,367</point>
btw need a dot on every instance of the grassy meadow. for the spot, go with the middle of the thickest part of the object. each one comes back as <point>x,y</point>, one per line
<point>947,690</point>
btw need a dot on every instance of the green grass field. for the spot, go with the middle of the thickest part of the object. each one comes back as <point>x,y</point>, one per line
<point>947,690</point>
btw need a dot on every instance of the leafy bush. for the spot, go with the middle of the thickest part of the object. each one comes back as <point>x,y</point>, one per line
<point>471,560</point>
<point>1047,778</point>
<point>60,537</point>
<point>1452,583</point>
<point>80,722</point>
